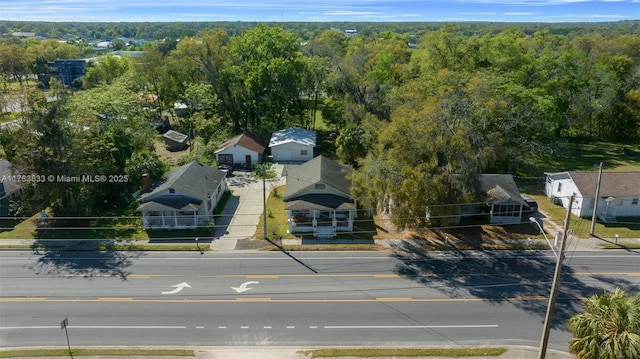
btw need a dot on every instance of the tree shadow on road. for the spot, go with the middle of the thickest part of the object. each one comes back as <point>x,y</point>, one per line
<point>75,258</point>
<point>497,276</point>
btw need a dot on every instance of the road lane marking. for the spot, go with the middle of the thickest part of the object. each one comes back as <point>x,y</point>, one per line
<point>97,327</point>
<point>473,326</point>
<point>271,300</point>
<point>341,275</point>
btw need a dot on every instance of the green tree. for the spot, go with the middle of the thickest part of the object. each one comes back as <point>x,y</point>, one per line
<point>105,70</point>
<point>15,61</point>
<point>609,327</point>
<point>268,64</point>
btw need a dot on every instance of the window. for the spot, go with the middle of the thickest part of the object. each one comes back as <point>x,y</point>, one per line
<point>304,152</point>
<point>620,202</point>
<point>319,186</point>
<point>634,201</point>
<point>171,190</point>
<point>559,187</point>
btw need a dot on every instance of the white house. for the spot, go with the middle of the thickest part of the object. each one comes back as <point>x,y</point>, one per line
<point>619,193</point>
<point>292,145</point>
<point>185,198</point>
<point>317,198</point>
<point>245,149</point>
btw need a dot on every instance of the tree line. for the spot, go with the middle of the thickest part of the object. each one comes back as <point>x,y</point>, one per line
<point>418,123</point>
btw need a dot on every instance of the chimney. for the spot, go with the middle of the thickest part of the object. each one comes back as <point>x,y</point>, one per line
<point>145,182</point>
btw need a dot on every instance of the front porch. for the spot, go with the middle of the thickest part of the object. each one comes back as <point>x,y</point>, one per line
<point>321,223</point>
<point>173,219</point>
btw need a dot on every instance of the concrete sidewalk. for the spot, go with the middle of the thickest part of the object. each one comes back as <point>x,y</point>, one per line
<point>513,352</point>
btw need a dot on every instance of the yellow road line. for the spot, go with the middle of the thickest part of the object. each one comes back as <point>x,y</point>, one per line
<point>329,275</point>
<point>265,300</point>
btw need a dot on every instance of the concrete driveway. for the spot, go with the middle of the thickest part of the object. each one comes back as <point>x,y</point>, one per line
<point>240,217</point>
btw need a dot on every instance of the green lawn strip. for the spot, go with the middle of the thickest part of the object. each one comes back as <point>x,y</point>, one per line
<point>405,352</point>
<point>582,226</point>
<point>119,247</point>
<point>620,245</point>
<point>327,247</point>
<point>95,352</point>
<point>153,247</point>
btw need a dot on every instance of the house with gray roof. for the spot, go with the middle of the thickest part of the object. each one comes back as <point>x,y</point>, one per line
<point>184,198</point>
<point>317,198</point>
<point>619,194</point>
<point>500,199</point>
<point>503,198</point>
<point>292,144</point>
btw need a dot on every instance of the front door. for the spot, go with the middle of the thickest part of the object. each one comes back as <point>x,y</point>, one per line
<point>247,159</point>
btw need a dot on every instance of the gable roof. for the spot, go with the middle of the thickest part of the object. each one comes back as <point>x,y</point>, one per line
<point>194,178</point>
<point>612,184</point>
<point>248,140</point>
<point>500,188</point>
<point>318,170</point>
<point>293,134</point>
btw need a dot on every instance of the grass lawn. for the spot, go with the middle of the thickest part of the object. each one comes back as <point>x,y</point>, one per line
<point>76,352</point>
<point>405,352</point>
<point>581,226</point>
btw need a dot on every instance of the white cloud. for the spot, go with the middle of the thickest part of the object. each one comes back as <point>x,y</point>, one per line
<point>352,13</point>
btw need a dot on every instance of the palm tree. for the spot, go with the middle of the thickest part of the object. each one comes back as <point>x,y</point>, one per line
<point>609,328</point>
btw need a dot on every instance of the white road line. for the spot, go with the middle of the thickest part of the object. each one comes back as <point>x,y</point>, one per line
<point>313,327</point>
<point>222,327</point>
<point>97,327</point>
<point>38,327</point>
<point>268,327</point>
<point>408,326</point>
<point>291,327</point>
<point>244,327</point>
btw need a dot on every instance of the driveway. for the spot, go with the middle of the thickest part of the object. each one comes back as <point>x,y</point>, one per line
<point>241,215</point>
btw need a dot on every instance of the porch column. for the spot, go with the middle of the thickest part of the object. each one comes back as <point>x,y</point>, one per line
<point>163,224</point>
<point>175,219</point>
<point>334,221</point>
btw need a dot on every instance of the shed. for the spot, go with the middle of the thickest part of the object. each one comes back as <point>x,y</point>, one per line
<point>175,141</point>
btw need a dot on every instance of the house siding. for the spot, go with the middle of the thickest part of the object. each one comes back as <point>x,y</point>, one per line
<point>239,154</point>
<point>291,152</point>
<point>559,187</point>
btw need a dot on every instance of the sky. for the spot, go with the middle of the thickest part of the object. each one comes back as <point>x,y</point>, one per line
<point>320,10</point>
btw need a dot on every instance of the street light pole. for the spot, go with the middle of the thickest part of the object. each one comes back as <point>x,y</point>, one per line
<point>532,219</point>
<point>554,287</point>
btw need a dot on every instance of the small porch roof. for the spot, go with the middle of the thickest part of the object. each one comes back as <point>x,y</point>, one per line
<point>320,202</point>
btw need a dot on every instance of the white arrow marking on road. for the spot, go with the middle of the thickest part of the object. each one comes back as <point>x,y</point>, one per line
<point>179,287</point>
<point>243,287</point>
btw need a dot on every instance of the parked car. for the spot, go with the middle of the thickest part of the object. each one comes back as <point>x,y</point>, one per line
<point>531,206</point>
<point>227,169</point>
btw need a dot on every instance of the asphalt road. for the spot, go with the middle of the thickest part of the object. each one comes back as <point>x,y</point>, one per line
<point>298,298</point>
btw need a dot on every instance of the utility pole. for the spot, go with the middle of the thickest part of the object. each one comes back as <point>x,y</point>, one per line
<point>554,286</point>
<point>595,203</point>
<point>264,198</point>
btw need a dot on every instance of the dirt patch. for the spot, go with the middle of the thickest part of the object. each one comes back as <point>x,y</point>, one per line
<point>172,158</point>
